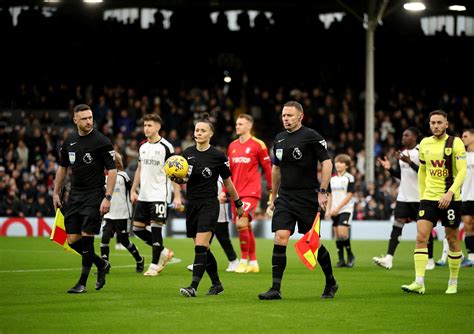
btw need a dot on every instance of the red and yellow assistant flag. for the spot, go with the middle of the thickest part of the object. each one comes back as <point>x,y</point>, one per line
<point>307,247</point>
<point>58,233</point>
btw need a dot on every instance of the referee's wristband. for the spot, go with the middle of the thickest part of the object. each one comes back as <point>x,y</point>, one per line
<point>238,203</point>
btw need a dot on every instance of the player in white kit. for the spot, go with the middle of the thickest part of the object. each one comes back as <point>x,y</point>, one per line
<point>408,201</point>
<point>340,208</point>
<point>116,220</point>
<point>151,191</point>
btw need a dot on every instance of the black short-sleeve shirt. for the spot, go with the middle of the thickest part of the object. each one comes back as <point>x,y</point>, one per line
<point>204,170</point>
<point>297,154</point>
<point>88,156</point>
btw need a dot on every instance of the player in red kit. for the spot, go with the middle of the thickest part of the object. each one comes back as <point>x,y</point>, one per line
<point>245,155</point>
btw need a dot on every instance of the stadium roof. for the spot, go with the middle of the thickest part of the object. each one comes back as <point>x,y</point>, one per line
<point>433,7</point>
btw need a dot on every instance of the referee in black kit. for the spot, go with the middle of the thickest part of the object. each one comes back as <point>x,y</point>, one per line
<point>88,153</point>
<point>294,178</point>
<point>206,163</point>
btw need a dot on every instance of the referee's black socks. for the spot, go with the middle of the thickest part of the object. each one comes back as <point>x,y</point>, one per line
<point>324,260</point>
<point>87,258</point>
<point>78,246</point>
<point>211,268</point>
<point>278,265</point>
<point>199,266</point>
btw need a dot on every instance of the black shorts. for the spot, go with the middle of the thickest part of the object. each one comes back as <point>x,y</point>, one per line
<point>406,210</point>
<point>82,212</point>
<point>147,212</point>
<point>201,216</point>
<point>450,217</point>
<point>342,219</point>
<point>467,208</point>
<point>118,225</point>
<point>297,207</point>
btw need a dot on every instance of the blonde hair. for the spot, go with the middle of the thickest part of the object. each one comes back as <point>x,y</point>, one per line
<point>118,161</point>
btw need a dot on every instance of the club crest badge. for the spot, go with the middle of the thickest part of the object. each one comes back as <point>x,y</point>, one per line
<point>448,151</point>
<point>421,213</point>
<point>72,157</point>
<point>247,150</point>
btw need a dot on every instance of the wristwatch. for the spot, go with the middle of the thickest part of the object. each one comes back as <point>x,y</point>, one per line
<point>108,197</point>
<point>322,190</point>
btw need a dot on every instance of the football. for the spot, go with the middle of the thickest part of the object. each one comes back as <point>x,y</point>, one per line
<point>176,166</point>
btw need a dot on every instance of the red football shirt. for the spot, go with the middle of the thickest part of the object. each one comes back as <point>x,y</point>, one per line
<point>244,159</point>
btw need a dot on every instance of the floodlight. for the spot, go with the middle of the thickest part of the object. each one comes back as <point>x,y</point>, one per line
<point>457,8</point>
<point>414,6</point>
<point>227,77</point>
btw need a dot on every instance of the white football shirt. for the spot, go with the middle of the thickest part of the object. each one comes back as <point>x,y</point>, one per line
<point>467,192</point>
<point>120,206</point>
<point>340,186</point>
<point>408,188</point>
<point>224,208</point>
<point>154,184</point>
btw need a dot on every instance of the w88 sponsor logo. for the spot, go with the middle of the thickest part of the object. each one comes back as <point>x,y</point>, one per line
<point>439,172</point>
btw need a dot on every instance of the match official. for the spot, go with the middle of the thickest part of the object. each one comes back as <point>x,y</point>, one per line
<point>297,152</point>
<point>206,164</point>
<point>88,153</point>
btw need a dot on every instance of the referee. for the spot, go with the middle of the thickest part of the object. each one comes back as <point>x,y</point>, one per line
<point>206,164</point>
<point>88,153</point>
<point>294,178</point>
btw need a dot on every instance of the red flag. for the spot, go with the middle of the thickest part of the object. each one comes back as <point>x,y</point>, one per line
<point>307,247</point>
<point>58,233</point>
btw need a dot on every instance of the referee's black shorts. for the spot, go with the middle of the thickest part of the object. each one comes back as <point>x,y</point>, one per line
<point>82,212</point>
<point>295,208</point>
<point>201,216</point>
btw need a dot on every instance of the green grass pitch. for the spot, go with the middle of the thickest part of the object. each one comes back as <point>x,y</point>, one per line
<point>35,274</point>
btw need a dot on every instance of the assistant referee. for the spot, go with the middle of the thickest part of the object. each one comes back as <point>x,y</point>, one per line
<point>88,153</point>
<point>297,151</point>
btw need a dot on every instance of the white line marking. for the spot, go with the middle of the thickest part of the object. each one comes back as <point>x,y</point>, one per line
<point>172,261</point>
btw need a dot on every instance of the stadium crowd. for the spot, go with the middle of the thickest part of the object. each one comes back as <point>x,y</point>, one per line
<point>32,130</point>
